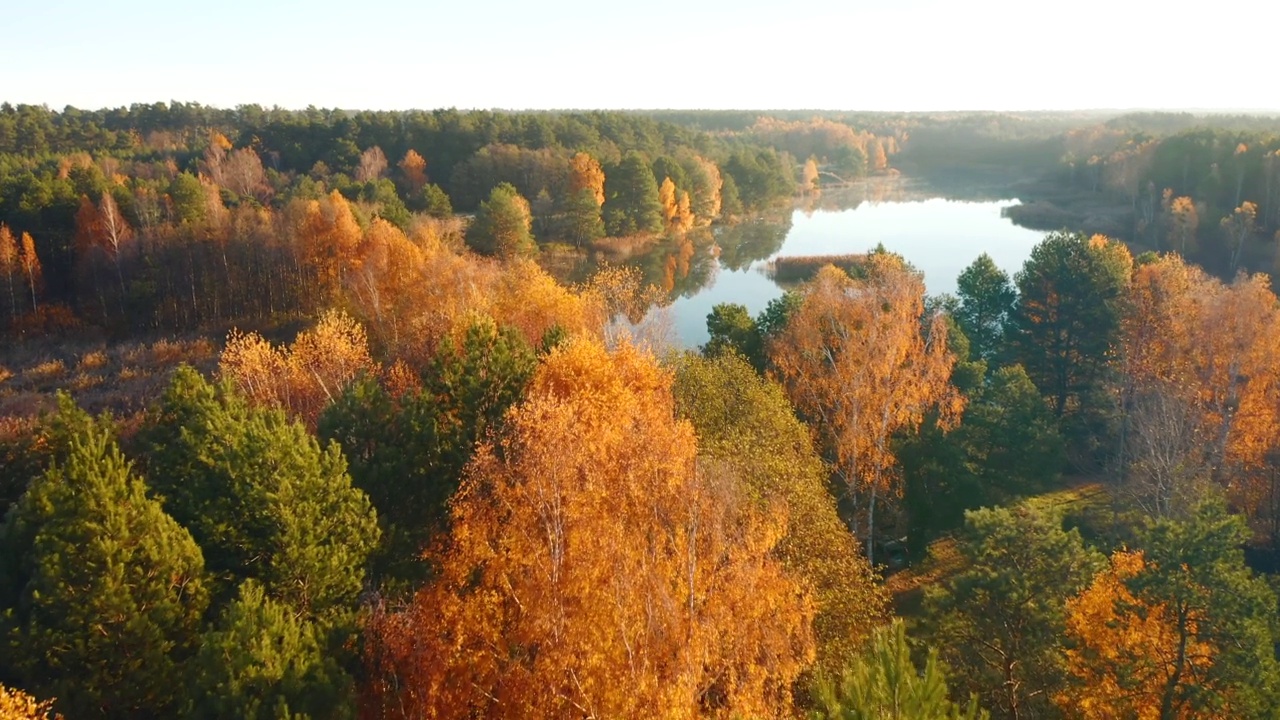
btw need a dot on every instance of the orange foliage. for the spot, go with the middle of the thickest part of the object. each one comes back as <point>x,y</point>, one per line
<point>1124,652</point>
<point>303,378</point>
<point>414,167</point>
<point>855,363</point>
<point>328,239</point>
<point>585,174</point>
<point>1217,346</point>
<point>596,570</point>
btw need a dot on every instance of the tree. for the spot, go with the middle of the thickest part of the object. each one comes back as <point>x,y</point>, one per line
<point>435,202</point>
<point>9,268</point>
<point>745,422</point>
<point>260,496</point>
<point>987,299</point>
<point>1183,220</point>
<point>682,611</point>
<point>1199,379</point>
<point>1239,227</point>
<point>373,162</point>
<point>585,173</point>
<point>809,177</point>
<point>17,705</point>
<point>261,662</point>
<point>408,451</point>
<point>705,187</point>
<point>1071,295</point>
<point>502,225</point>
<point>581,222</point>
<point>1181,629</point>
<point>302,378</point>
<point>731,329</point>
<point>856,364</point>
<point>414,169</point>
<point>884,684</point>
<point>631,203</point>
<point>1000,623</point>
<point>107,590</point>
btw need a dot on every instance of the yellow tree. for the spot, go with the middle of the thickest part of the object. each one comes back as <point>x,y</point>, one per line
<point>667,198</point>
<point>809,179</point>
<point>305,377</point>
<point>1183,221</point>
<point>1212,349</point>
<point>29,264</point>
<point>328,240</point>
<point>414,168</point>
<point>597,569</point>
<point>1239,226</point>
<point>858,365</point>
<point>1123,653</point>
<point>9,267</point>
<point>585,174</point>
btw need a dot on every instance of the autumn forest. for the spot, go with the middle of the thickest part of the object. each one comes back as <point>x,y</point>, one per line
<point>355,414</point>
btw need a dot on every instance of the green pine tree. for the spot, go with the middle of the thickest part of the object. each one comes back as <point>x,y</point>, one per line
<point>260,495</point>
<point>262,662</point>
<point>631,205</point>
<point>884,684</point>
<point>105,603</point>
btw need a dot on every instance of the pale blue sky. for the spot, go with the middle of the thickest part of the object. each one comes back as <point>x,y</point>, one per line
<point>858,55</point>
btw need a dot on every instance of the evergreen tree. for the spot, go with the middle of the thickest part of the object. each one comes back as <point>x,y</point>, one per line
<point>105,605</point>
<point>884,684</point>
<point>731,328</point>
<point>986,301</point>
<point>502,224</point>
<point>631,203</point>
<point>1000,623</point>
<point>1070,302</point>
<point>260,495</point>
<point>262,662</point>
<point>435,202</point>
<point>581,222</point>
<point>408,452</point>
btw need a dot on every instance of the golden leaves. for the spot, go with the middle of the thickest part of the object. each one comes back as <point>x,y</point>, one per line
<point>855,362</point>
<point>303,378</point>
<point>597,568</point>
<point>1124,651</point>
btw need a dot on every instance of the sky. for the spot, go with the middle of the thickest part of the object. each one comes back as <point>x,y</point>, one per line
<point>908,55</point>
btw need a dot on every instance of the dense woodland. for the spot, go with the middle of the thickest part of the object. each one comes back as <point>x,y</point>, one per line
<point>298,418</point>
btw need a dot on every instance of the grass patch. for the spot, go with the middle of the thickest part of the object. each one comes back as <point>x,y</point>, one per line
<point>1083,503</point>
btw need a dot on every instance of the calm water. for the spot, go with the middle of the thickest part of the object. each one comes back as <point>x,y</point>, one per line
<point>939,236</point>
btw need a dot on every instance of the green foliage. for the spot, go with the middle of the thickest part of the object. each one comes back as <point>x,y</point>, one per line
<point>761,179</point>
<point>733,330</point>
<point>502,225</point>
<point>999,624</point>
<point>631,203</point>
<point>581,222</point>
<point>105,593</point>
<point>262,662</point>
<point>260,495</point>
<point>435,202</point>
<point>189,202</point>
<point>884,684</point>
<point>408,452</point>
<point>1071,293</point>
<point>1196,569</point>
<point>744,422</point>
<point>986,301</point>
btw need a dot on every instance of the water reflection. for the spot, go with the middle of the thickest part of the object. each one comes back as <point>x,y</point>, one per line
<point>940,230</point>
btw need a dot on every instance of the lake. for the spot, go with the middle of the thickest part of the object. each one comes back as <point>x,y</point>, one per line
<point>938,235</point>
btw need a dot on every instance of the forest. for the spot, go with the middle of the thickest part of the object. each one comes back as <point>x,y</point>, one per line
<point>314,414</point>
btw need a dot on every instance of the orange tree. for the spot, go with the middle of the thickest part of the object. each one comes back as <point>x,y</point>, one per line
<point>857,363</point>
<point>597,568</point>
